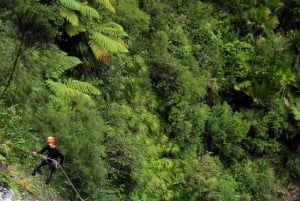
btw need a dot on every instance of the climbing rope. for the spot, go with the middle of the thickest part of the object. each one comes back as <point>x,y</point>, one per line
<point>67,177</point>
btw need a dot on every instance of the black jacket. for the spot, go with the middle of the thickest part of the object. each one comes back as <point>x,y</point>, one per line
<point>53,153</point>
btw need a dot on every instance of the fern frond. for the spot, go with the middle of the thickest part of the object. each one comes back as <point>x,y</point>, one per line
<point>83,87</point>
<point>99,52</point>
<point>58,88</point>
<point>74,30</point>
<point>107,5</point>
<point>242,85</point>
<point>70,16</point>
<point>84,9</point>
<point>112,29</point>
<point>111,45</point>
<point>63,91</point>
<point>70,4</point>
<point>62,63</point>
<point>296,112</point>
<point>88,11</point>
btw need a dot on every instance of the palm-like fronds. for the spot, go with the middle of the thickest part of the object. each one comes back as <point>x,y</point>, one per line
<point>112,29</point>
<point>84,9</point>
<point>99,52</point>
<point>82,87</point>
<point>62,63</point>
<point>67,91</point>
<point>107,5</point>
<point>295,108</point>
<point>263,91</point>
<point>74,30</point>
<point>70,16</point>
<point>58,88</point>
<point>110,44</point>
<point>103,38</point>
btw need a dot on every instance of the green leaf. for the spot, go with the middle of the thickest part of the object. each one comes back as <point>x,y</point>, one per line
<point>112,29</point>
<point>84,9</point>
<point>62,63</point>
<point>243,85</point>
<point>112,45</point>
<point>74,30</point>
<point>70,16</point>
<point>83,87</point>
<point>2,158</point>
<point>72,89</point>
<point>107,5</point>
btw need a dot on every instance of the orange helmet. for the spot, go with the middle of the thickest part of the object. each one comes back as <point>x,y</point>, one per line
<point>50,139</point>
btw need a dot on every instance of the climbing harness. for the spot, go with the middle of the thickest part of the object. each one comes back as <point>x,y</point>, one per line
<point>58,166</point>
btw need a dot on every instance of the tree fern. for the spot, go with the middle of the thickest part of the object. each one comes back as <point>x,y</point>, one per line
<point>242,85</point>
<point>62,63</point>
<point>295,108</point>
<point>107,5</point>
<point>110,44</point>
<point>58,88</point>
<point>83,87</point>
<point>112,29</point>
<point>263,91</point>
<point>67,91</point>
<point>74,30</point>
<point>103,38</point>
<point>84,9</point>
<point>70,16</point>
<point>99,52</point>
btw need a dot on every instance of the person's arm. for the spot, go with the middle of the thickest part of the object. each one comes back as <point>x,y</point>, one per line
<point>43,149</point>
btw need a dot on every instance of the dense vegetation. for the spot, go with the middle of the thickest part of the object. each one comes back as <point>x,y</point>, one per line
<point>154,99</point>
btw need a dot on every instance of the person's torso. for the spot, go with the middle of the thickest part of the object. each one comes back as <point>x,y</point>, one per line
<point>53,153</point>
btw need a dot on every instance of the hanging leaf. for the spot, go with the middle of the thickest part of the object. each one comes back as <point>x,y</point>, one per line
<point>99,53</point>
<point>74,30</point>
<point>111,45</point>
<point>107,5</point>
<point>84,9</point>
<point>83,87</point>
<point>70,16</point>
<point>112,29</point>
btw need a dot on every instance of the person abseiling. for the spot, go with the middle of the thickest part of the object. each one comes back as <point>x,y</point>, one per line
<point>54,158</point>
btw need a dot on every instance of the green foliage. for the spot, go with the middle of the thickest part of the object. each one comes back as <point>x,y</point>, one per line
<point>179,43</point>
<point>293,165</point>
<point>70,16</point>
<point>295,108</point>
<point>79,131</point>
<point>98,39</point>
<point>36,22</point>
<point>107,5</point>
<point>266,129</point>
<point>102,38</point>
<point>226,131</point>
<point>255,179</point>
<point>149,125</point>
<point>132,18</point>
<point>54,70</point>
<point>206,180</point>
<point>82,8</point>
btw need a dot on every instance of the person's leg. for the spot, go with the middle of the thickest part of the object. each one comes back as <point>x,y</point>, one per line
<point>52,168</point>
<point>38,166</point>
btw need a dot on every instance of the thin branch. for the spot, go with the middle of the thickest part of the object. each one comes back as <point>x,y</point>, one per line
<point>14,67</point>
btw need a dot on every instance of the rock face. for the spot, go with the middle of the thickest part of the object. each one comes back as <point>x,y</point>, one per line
<point>6,194</point>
